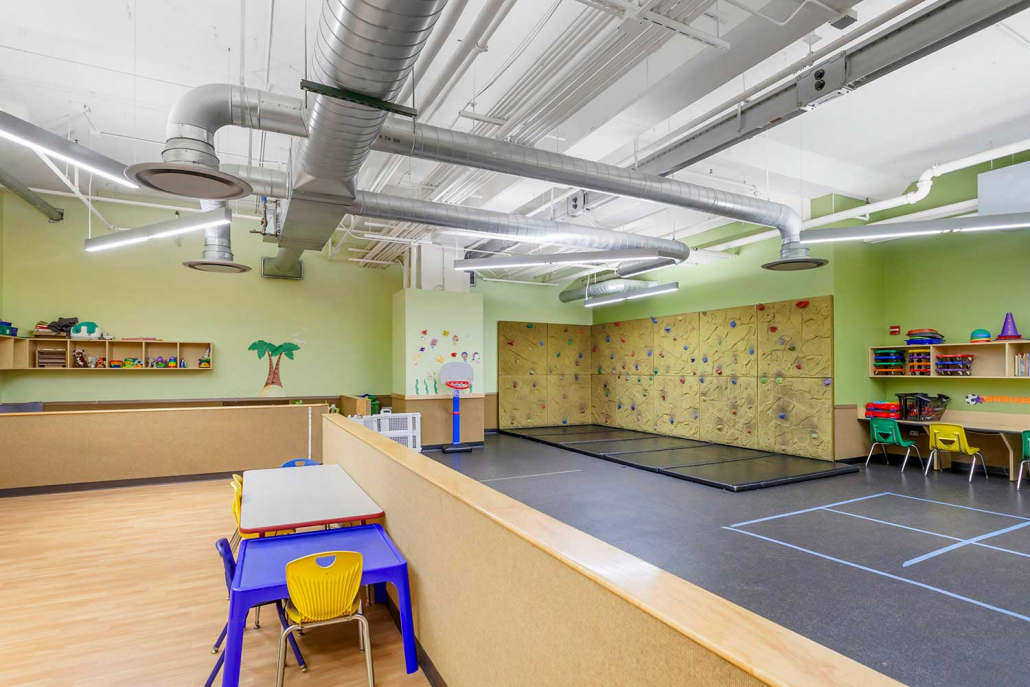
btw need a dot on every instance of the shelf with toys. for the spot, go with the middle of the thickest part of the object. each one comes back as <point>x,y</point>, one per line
<point>46,353</point>
<point>925,354</point>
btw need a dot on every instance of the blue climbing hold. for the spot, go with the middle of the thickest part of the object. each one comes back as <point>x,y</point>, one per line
<point>704,359</point>
<point>611,357</point>
<point>733,381</point>
<point>649,354</point>
<point>654,320</point>
<point>702,380</point>
<point>783,416</point>
<point>541,343</point>
<point>607,339</point>
<point>668,330</point>
<point>750,351</point>
<point>581,356</point>
<point>633,407</point>
<point>619,407</point>
<point>827,382</point>
<point>565,422</point>
<point>733,323</point>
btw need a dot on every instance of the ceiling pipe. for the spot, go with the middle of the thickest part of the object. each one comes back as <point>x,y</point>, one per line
<point>364,46</point>
<point>217,254</point>
<point>517,227</point>
<point>453,147</point>
<point>31,197</point>
<point>604,288</point>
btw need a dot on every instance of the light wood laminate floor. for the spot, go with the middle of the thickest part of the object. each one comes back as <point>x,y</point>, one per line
<point>121,587</point>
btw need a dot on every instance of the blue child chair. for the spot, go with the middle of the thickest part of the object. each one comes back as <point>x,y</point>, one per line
<point>299,463</point>
<point>229,565</point>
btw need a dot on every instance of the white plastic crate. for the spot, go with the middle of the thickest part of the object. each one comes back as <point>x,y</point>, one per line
<point>404,428</point>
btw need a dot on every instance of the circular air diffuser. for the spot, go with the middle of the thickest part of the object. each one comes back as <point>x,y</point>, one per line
<point>223,266</point>
<point>189,181</point>
<point>794,264</point>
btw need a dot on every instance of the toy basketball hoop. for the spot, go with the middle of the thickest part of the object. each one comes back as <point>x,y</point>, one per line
<point>457,376</point>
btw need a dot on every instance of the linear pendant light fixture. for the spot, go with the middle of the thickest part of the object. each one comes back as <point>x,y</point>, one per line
<point>182,225</point>
<point>36,138</point>
<point>632,295</point>
<point>899,230</point>
<point>587,258</point>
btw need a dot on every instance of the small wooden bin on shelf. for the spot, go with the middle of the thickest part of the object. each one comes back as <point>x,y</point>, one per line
<point>32,354</point>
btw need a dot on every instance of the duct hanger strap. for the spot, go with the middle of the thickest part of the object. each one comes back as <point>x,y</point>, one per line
<point>359,98</point>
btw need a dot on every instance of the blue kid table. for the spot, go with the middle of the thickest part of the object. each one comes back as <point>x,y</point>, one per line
<point>261,577</point>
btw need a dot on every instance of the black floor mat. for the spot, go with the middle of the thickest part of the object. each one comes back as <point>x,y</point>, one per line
<point>703,454</point>
<point>567,430</point>
<point>616,448</point>
<point>603,436</point>
<point>756,473</point>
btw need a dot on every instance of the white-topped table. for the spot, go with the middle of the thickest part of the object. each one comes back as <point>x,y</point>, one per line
<point>288,498</point>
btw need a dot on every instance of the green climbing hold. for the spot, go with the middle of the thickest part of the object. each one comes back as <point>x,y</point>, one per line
<point>557,355</point>
<point>569,342</point>
<point>529,325</point>
<point>764,380</point>
<point>779,380</point>
<point>792,348</point>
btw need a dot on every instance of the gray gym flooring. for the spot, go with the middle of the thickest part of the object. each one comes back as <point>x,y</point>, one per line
<point>926,579</point>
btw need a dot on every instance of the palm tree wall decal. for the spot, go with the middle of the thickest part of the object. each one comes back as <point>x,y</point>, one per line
<point>273,382</point>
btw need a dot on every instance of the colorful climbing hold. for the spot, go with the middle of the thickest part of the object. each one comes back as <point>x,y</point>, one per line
<point>618,323</point>
<point>733,323</point>
<point>654,320</point>
<point>782,341</point>
<point>779,380</point>
<point>772,328</point>
<point>511,343</point>
<point>798,366</point>
<point>761,307</point>
<point>704,359</point>
<point>751,351</point>
<point>815,435</point>
<point>529,325</point>
<point>668,330</point>
<point>541,343</point>
<point>569,342</point>
<point>733,412</point>
<point>607,339</point>
<point>649,353</point>
<point>683,380</point>
<point>558,354</point>
<point>702,380</point>
<point>827,382</point>
<point>623,339</point>
<point>783,416</point>
<point>733,381</point>
<point>566,330</point>
<point>580,356</point>
<point>802,304</point>
<point>763,380</point>
<point>718,370</point>
<point>792,348</point>
<point>594,349</point>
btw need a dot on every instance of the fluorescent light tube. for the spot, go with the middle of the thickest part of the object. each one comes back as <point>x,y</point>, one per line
<point>606,300</point>
<point>587,258</point>
<point>897,230</point>
<point>632,295</point>
<point>182,225</point>
<point>36,138</point>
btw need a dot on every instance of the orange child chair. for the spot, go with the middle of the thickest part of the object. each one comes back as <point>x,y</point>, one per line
<point>952,439</point>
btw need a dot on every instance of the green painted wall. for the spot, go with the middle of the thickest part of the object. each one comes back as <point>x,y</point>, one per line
<point>339,312</point>
<point>521,303</point>
<point>437,328</point>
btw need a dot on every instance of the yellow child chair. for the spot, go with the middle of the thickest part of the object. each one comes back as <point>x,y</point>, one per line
<point>324,591</point>
<point>237,501</point>
<point>952,439</point>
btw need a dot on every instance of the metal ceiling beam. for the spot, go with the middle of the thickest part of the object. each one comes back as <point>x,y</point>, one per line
<point>936,27</point>
<point>29,196</point>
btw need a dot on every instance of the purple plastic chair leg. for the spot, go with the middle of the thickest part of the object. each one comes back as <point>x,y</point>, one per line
<point>221,638</point>
<point>214,671</point>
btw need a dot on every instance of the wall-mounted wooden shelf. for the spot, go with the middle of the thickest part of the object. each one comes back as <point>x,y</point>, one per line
<point>992,359</point>
<point>22,354</point>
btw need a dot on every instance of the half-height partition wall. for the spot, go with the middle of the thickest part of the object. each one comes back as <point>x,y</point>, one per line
<point>758,376</point>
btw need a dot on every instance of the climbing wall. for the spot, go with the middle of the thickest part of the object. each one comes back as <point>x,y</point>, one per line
<point>635,402</point>
<point>604,349</point>
<point>676,340</point>
<point>603,400</point>
<point>568,349</point>
<point>728,342</point>
<point>795,338</point>
<point>568,399</point>
<point>521,401</point>
<point>795,416</point>
<point>521,348</point>
<point>676,405</point>
<point>635,347</point>
<point>728,410</point>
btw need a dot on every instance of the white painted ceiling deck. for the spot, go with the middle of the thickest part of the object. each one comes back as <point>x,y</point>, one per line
<point>106,74</point>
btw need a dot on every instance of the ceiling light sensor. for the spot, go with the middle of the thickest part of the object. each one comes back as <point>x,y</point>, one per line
<point>42,141</point>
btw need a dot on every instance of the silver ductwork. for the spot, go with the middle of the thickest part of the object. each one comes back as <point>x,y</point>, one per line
<point>217,255</point>
<point>363,45</point>
<point>453,147</point>
<point>604,288</point>
<point>515,227</point>
<point>14,185</point>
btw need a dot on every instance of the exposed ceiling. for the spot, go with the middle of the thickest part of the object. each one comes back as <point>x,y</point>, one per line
<point>106,74</point>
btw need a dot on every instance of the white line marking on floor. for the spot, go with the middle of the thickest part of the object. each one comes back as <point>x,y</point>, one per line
<point>885,574</point>
<point>809,510</point>
<point>954,505</point>
<point>965,542</point>
<point>540,474</point>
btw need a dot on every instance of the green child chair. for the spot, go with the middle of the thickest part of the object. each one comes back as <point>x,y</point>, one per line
<point>884,432</point>
<point>952,439</point>
<point>1026,458</point>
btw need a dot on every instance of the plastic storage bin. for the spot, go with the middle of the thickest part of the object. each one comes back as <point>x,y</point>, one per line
<point>923,407</point>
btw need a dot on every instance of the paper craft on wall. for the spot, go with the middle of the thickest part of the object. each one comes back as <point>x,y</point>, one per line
<point>273,382</point>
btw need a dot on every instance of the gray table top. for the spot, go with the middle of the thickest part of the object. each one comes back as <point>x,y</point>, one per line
<point>288,498</point>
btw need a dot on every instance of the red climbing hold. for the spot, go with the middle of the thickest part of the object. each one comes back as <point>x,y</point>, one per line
<point>772,329</point>
<point>618,323</point>
<point>733,412</point>
<point>798,366</point>
<point>718,370</point>
<point>761,307</point>
<point>594,349</point>
<point>623,339</point>
<point>802,304</point>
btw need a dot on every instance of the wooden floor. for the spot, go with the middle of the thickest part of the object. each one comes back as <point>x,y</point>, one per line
<point>123,587</point>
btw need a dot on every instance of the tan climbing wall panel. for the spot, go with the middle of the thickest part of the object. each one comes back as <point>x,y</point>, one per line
<point>603,400</point>
<point>676,405</point>
<point>796,417</point>
<point>521,348</point>
<point>568,349</point>
<point>521,401</point>
<point>795,338</point>
<point>676,339</point>
<point>728,407</point>
<point>568,399</point>
<point>635,402</point>
<point>635,347</point>
<point>604,349</point>
<point>728,345</point>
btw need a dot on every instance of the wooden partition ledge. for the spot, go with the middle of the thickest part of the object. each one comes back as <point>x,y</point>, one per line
<point>83,447</point>
<point>505,595</point>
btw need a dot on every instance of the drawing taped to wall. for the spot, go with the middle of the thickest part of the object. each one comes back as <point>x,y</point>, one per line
<point>273,382</point>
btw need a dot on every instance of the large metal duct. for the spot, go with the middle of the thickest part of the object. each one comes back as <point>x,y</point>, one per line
<point>190,164</point>
<point>19,189</point>
<point>443,145</point>
<point>517,227</point>
<point>604,288</point>
<point>217,255</point>
<point>367,46</point>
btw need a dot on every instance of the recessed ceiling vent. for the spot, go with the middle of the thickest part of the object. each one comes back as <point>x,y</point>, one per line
<point>794,264</point>
<point>223,266</point>
<point>189,181</point>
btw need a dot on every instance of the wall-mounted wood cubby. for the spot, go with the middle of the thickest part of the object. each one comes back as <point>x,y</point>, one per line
<point>22,354</point>
<point>991,360</point>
